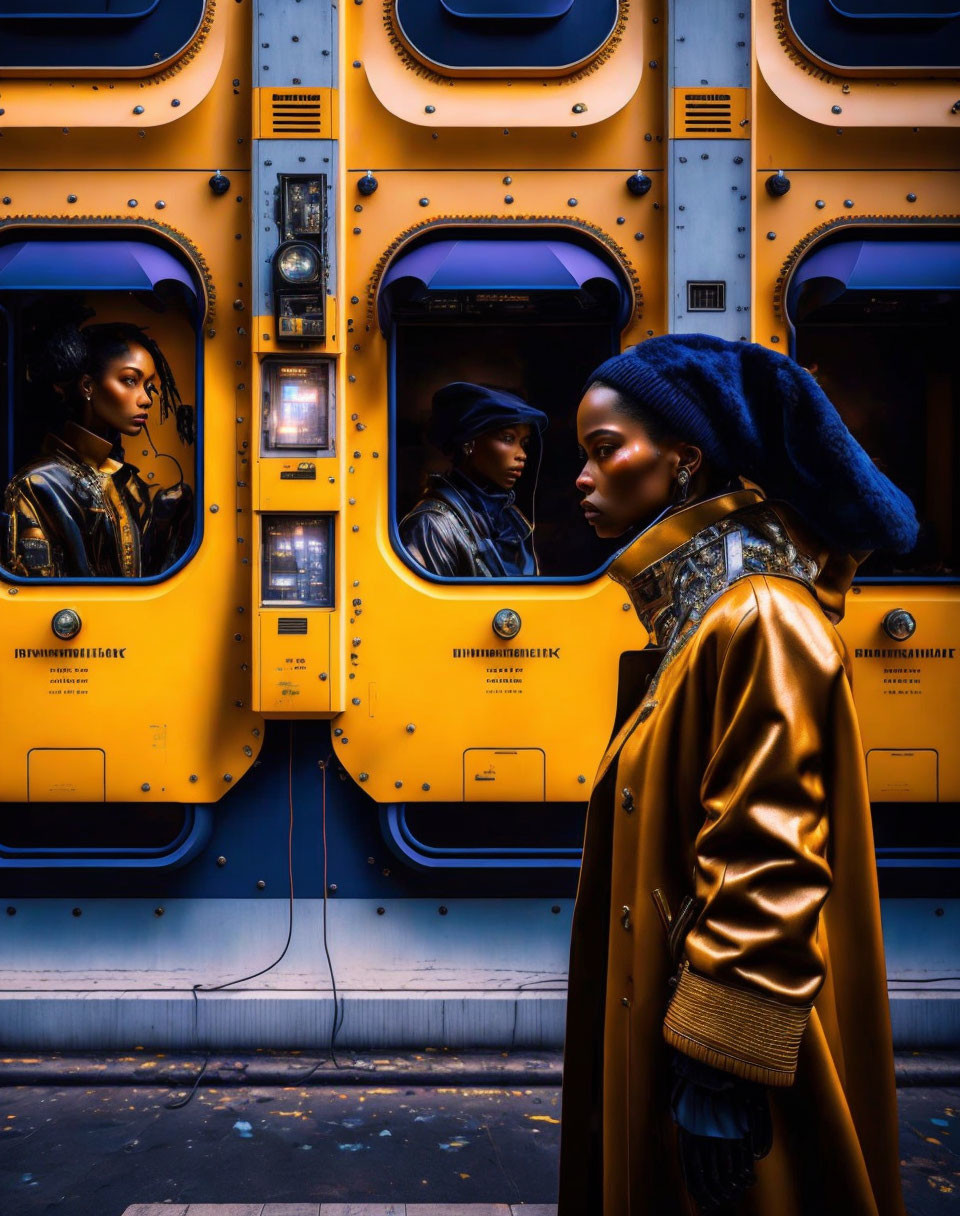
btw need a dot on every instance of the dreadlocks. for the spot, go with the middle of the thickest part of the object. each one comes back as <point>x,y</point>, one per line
<point>71,352</point>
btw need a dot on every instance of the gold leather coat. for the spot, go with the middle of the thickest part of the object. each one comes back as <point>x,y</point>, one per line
<point>79,513</point>
<point>735,776</point>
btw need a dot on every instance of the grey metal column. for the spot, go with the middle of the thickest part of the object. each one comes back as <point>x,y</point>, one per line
<point>294,44</point>
<point>709,181</point>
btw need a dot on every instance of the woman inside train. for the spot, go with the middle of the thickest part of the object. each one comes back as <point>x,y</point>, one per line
<point>467,523</point>
<point>81,510</point>
<point>728,1039</point>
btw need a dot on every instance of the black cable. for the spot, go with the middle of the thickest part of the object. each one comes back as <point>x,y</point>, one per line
<point>178,1103</point>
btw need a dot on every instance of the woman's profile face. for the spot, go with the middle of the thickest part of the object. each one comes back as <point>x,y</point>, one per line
<point>120,398</point>
<point>627,479</point>
<point>501,455</point>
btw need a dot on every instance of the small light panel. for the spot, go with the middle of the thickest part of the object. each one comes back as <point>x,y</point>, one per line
<point>301,317</point>
<point>297,560</point>
<point>301,205</point>
<point>297,406</point>
<point>706,296</point>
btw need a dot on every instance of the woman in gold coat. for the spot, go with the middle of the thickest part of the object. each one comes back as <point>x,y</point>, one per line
<point>728,1039</point>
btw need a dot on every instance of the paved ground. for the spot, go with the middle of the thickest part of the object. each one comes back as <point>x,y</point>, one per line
<point>95,1151</point>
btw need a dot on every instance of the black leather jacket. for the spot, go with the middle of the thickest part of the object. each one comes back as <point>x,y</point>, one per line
<point>463,530</point>
<point>79,513</point>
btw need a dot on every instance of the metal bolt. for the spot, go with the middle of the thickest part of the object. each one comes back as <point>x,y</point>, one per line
<point>71,198</point>
<point>398,785</point>
<point>410,728</point>
<point>146,787</point>
<point>364,776</point>
<point>555,909</point>
<point>579,108</point>
<point>848,202</point>
<point>260,884</point>
<point>332,888</point>
<point>77,911</point>
<point>429,109</point>
<point>158,911</point>
<point>425,786</point>
<point>911,197</point>
<point>820,204</point>
<point>160,204</point>
<point>338,730</point>
<point>836,109</point>
<point>193,778</point>
<point>571,202</point>
<point>626,607</point>
<point>424,202</point>
<point>380,911</point>
<point>138,109</point>
<point>442,910</point>
<point>132,202</point>
<point>771,236</point>
<point>221,861</point>
<point>581,779</point>
<point>228,777</point>
<point>214,508</point>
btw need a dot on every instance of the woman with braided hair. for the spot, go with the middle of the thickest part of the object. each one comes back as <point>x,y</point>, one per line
<point>81,511</point>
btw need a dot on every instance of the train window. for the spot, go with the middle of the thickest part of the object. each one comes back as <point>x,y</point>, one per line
<point>484,36</point>
<point>864,36</point>
<point>519,323</point>
<point>101,392</point>
<point>875,320</point>
<point>117,35</point>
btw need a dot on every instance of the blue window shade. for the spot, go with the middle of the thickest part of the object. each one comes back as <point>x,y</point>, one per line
<point>55,265</point>
<point>502,34</point>
<point>913,35</point>
<point>477,264</point>
<point>125,35</point>
<point>847,266</point>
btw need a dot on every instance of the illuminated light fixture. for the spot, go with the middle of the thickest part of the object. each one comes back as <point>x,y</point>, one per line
<point>296,564</point>
<point>298,263</point>
<point>297,410</point>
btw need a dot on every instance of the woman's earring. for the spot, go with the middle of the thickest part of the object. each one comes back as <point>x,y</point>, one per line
<point>683,485</point>
<point>468,448</point>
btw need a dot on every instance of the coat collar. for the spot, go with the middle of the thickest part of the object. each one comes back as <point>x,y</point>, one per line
<point>84,446</point>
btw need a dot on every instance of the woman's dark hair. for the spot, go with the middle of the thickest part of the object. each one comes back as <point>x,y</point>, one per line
<point>69,353</point>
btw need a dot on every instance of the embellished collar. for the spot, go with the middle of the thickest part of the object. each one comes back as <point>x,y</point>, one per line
<point>678,567</point>
<point>84,446</point>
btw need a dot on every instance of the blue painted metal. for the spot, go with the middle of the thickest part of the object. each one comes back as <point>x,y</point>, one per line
<point>190,842</point>
<point>95,265</point>
<point>872,265</point>
<point>121,34</point>
<point>493,264</point>
<point>403,841</point>
<point>545,34</point>
<point>137,261</point>
<point>873,34</point>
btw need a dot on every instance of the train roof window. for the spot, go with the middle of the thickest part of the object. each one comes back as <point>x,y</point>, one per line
<point>878,36</point>
<point>118,35</point>
<point>482,36</point>
<point>510,327</point>
<point>102,389</point>
<point>874,320</point>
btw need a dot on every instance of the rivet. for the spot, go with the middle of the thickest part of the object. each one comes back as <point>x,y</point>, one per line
<point>160,204</point>
<point>338,730</point>
<point>221,861</point>
<point>848,202</point>
<point>429,109</point>
<point>411,727</point>
<point>638,236</point>
<point>425,786</point>
<point>214,508</point>
<point>555,909</point>
<point>332,888</point>
<point>442,910</point>
<point>260,884</point>
<point>836,109</point>
<point>621,219</point>
<point>132,202</point>
<point>571,202</point>
<point>820,204</point>
<point>626,607</point>
<point>355,701</point>
<point>71,198</point>
<point>771,236</point>
<point>77,912</point>
<point>158,911</point>
<point>175,102</point>
<point>579,108</point>
<point>138,109</point>
<point>247,749</point>
<point>193,778</point>
<point>356,63</point>
<point>911,197</point>
<point>424,202</point>
<point>508,181</point>
<point>228,777</point>
<point>11,910</point>
<point>7,200</point>
<point>398,785</point>
<point>774,337</point>
<point>355,528</point>
<point>323,675</point>
<point>146,787</point>
<point>508,198</point>
<point>364,776</point>
<point>380,911</point>
<point>581,779</point>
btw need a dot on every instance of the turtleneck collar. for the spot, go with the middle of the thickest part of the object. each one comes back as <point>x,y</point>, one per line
<point>84,445</point>
<point>678,566</point>
<point>487,497</point>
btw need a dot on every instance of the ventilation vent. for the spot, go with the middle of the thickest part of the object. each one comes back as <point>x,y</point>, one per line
<point>705,114</point>
<point>292,624</point>
<point>706,296</point>
<point>294,114</point>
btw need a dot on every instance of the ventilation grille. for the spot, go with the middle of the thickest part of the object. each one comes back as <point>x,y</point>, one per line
<point>706,295</point>
<point>294,114</point>
<point>292,624</point>
<point>711,114</point>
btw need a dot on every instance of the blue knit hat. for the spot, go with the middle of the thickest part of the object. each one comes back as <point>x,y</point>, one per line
<point>758,413</point>
<point>461,411</point>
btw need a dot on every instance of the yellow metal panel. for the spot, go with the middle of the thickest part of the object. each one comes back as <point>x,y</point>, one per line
<point>293,671</point>
<point>503,774</point>
<point>711,112</point>
<point>804,86</point>
<point>907,692</point>
<point>417,95</point>
<point>167,665</point>
<point>66,774</point>
<point>295,113</point>
<point>106,99</point>
<point>902,776</point>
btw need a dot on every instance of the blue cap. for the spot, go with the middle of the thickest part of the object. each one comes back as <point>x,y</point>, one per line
<point>461,411</point>
<point>758,413</point>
